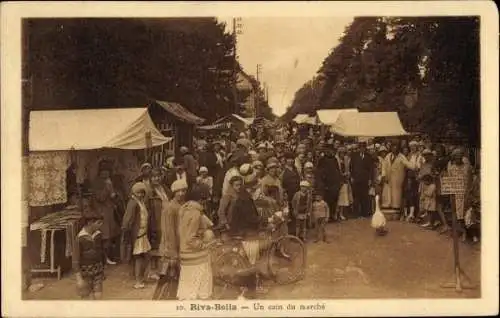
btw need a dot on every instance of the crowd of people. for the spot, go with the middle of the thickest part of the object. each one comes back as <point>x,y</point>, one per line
<point>243,186</point>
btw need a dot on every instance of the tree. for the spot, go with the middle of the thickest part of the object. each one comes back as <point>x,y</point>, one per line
<point>101,62</point>
<point>426,69</point>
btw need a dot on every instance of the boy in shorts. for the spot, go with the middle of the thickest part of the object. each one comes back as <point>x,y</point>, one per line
<point>88,258</point>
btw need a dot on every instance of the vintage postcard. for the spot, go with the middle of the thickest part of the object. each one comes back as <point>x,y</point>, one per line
<point>245,159</point>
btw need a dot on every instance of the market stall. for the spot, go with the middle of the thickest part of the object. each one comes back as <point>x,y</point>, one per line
<point>329,117</point>
<point>370,124</point>
<point>63,141</point>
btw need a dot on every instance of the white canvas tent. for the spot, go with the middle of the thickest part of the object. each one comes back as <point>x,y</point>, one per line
<point>304,119</point>
<point>122,128</point>
<point>330,116</point>
<point>369,124</point>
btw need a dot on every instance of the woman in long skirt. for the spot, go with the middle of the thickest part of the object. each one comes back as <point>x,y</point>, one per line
<point>195,240</point>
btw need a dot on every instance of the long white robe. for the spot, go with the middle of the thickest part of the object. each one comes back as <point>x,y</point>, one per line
<point>394,169</point>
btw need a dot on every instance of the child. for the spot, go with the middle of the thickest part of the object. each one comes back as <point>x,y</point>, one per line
<point>301,209</point>
<point>321,214</point>
<point>473,212</point>
<point>207,181</point>
<point>88,258</point>
<point>428,200</point>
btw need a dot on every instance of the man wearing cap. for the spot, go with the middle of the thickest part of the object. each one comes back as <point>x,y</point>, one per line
<point>361,177</point>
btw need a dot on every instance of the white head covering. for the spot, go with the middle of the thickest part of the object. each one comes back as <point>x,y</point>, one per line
<point>138,187</point>
<point>252,153</point>
<point>272,164</point>
<point>382,148</point>
<point>261,146</point>
<point>257,163</point>
<point>245,169</point>
<point>426,151</point>
<point>178,185</point>
<point>308,165</point>
<point>203,169</point>
<point>413,143</point>
<point>305,183</point>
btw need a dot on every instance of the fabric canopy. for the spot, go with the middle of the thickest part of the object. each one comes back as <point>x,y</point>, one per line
<point>369,124</point>
<point>180,112</point>
<point>330,116</point>
<point>245,121</point>
<point>123,128</point>
<point>304,119</point>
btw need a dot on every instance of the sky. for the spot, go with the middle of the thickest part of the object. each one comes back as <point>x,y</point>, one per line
<point>289,50</point>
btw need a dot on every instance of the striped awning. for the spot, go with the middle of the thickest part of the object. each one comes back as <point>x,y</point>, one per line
<point>226,125</point>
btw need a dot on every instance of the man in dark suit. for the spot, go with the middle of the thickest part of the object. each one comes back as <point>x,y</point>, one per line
<point>361,178</point>
<point>329,179</point>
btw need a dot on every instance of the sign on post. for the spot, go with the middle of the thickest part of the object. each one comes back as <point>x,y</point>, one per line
<point>452,185</point>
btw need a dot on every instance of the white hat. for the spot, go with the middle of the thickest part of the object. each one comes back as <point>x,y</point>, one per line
<point>252,153</point>
<point>309,165</point>
<point>271,164</point>
<point>203,169</point>
<point>305,183</point>
<point>382,148</point>
<point>245,169</point>
<point>269,146</point>
<point>261,146</point>
<point>178,185</point>
<point>257,163</point>
<point>426,151</point>
<point>242,135</point>
<point>377,146</point>
<point>413,143</point>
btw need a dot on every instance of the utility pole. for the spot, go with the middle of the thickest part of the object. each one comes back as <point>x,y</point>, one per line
<point>257,91</point>
<point>236,30</point>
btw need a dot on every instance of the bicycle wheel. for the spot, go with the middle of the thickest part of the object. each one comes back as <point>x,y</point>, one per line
<point>287,260</point>
<point>227,265</point>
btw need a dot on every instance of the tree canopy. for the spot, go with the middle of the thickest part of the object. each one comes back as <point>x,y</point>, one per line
<point>101,62</point>
<point>427,69</point>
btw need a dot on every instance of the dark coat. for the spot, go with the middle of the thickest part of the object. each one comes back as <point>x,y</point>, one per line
<point>208,159</point>
<point>362,168</point>
<point>328,175</point>
<point>291,182</point>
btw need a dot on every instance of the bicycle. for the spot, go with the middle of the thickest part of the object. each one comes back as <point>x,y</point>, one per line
<point>282,259</point>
